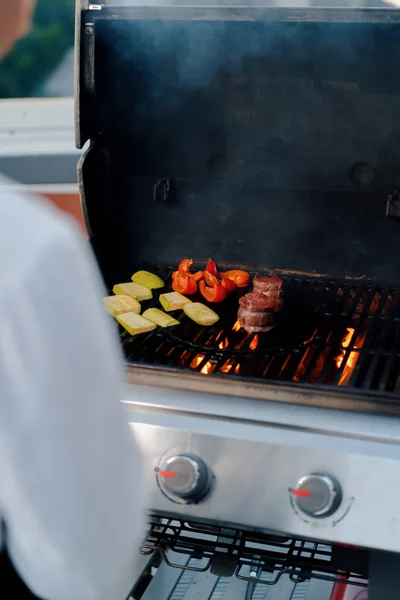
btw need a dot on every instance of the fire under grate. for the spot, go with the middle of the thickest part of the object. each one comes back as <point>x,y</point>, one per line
<point>341,334</point>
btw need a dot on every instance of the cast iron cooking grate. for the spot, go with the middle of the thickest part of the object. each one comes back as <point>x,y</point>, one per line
<point>252,556</point>
<point>344,334</point>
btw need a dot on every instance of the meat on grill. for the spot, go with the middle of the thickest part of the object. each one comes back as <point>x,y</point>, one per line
<point>271,287</point>
<point>256,302</point>
<point>267,285</point>
<point>256,312</point>
<point>257,309</point>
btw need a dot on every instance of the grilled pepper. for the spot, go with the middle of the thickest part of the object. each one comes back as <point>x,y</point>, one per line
<point>184,270</point>
<point>212,267</point>
<point>212,281</point>
<point>184,285</point>
<point>196,276</point>
<point>241,278</point>
<point>217,293</point>
<point>184,267</point>
<point>227,283</point>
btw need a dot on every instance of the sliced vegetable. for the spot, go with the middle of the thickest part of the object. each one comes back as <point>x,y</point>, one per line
<point>241,278</point>
<point>200,314</point>
<point>184,285</point>
<point>173,301</point>
<point>228,283</point>
<point>212,267</point>
<point>159,317</point>
<point>184,267</point>
<point>135,290</point>
<point>135,324</point>
<point>148,280</point>
<point>213,294</point>
<point>210,279</point>
<point>196,276</point>
<point>117,305</point>
<point>184,270</point>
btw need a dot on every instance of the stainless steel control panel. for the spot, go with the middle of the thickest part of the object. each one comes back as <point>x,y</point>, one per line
<point>307,484</point>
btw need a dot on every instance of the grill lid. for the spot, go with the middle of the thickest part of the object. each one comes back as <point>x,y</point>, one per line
<point>263,137</point>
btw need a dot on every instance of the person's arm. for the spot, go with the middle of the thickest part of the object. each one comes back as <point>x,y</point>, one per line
<point>70,477</point>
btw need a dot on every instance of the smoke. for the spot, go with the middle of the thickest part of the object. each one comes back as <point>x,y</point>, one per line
<point>253,102</point>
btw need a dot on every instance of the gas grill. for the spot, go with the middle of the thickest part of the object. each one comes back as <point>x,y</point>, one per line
<point>266,138</point>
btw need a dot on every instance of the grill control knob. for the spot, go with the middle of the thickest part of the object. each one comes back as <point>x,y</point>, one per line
<point>184,478</point>
<point>317,495</point>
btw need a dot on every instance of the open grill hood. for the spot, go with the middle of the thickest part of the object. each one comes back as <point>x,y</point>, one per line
<point>267,138</point>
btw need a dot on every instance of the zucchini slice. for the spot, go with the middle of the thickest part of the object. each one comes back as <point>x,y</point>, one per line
<point>148,280</point>
<point>134,290</point>
<point>159,317</point>
<point>117,305</point>
<point>173,301</point>
<point>135,324</point>
<point>200,314</point>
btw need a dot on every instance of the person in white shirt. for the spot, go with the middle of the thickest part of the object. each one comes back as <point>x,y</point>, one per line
<point>70,470</point>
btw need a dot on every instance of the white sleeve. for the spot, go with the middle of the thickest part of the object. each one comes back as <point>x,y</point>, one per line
<point>70,477</point>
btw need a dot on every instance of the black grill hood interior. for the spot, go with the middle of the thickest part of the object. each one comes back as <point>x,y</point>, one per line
<point>261,137</point>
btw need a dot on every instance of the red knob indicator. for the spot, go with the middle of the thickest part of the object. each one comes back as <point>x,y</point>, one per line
<point>300,493</point>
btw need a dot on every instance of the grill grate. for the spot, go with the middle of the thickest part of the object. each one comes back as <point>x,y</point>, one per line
<point>342,334</point>
<point>258,558</point>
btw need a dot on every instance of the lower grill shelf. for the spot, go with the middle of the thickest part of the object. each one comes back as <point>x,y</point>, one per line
<point>177,584</point>
<point>254,558</point>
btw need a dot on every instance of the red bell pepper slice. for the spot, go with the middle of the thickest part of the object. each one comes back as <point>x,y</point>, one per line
<point>227,283</point>
<point>212,267</point>
<point>198,275</point>
<point>216,293</point>
<point>184,270</point>
<point>210,279</point>
<point>185,285</point>
<point>184,267</point>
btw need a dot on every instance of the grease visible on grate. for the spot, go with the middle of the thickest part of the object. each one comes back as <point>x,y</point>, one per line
<point>341,334</point>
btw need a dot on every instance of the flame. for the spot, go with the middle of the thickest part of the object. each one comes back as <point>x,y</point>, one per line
<point>208,368</point>
<point>227,366</point>
<point>352,360</point>
<point>237,326</point>
<point>224,344</point>
<point>254,343</point>
<point>345,344</point>
<point>301,369</point>
<point>196,361</point>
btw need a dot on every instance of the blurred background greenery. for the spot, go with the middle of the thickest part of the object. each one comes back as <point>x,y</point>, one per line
<point>26,69</point>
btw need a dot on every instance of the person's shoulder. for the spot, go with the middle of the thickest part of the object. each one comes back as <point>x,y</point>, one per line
<point>29,225</point>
